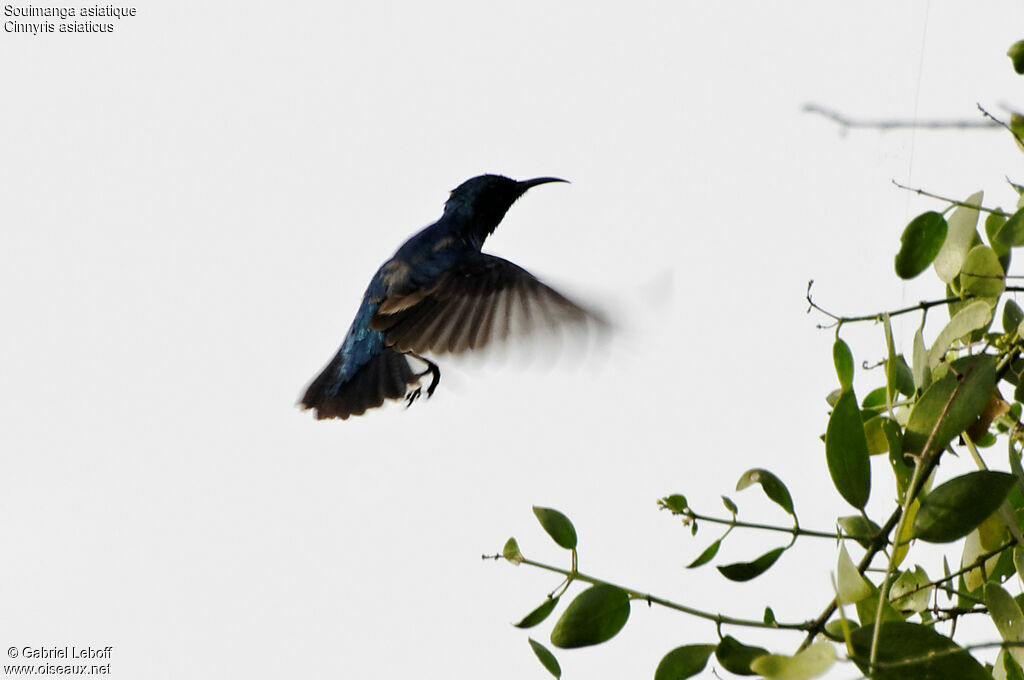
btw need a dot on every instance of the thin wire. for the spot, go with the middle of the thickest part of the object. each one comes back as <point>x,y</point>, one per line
<point>917,92</point>
<point>913,134</point>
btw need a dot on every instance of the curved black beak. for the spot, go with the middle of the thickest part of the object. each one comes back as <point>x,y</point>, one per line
<point>530,183</point>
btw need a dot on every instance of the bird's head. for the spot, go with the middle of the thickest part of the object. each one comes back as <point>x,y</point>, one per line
<point>480,203</point>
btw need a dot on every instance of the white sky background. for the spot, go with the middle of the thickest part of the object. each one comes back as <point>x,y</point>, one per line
<point>193,205</point>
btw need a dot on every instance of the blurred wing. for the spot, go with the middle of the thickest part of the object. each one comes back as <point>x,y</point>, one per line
<point>481,300</point>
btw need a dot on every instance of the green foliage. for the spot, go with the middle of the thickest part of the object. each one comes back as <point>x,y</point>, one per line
<point>683,662</point>
<point>809,663</point>
<point>935,411</point>
<point>546,658</point>
<point>1007,616</point>
<point>597,614</point>
<point>846,450</point>
<point>1016,55</point>
<point>772,486</point>
<point>920,244</point>
<point>910,651</point>
<point>1010,234</point>
<point>859,529</point>
<point>956,508</point>
<point>736,657</point>
<point>744,571</point>
<point>843,359</point>
<point>558,526</point>
<point>950,405</point>
<point>538,614</point>
<point>511,551</point>
<point>706,556</point>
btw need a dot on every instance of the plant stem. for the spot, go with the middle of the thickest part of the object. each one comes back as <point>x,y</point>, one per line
<point>795,531</point>
<point>651,599</point>
<point>925,463</point>
<point>922,192</point>
<point>978,562</point>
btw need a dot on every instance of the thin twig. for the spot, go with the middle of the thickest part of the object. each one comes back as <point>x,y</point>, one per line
<point>1000,123</point>
<point>922,192</point>
<point>978,562</point>
<point>921,306</point>
<point>894,124</point>
<point>795,531</point>
<point>651,599</point>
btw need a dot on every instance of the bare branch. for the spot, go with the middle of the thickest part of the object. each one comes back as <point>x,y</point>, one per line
<point>894,124</point>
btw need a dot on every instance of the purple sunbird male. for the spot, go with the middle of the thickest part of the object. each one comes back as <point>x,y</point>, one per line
<point>438,294</point>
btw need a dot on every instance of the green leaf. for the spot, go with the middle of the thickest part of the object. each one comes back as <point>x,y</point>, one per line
<point>982,275</point>
<point>874,433</point>
<point>511,552</point>
<point>736,657</point>
<point>843,359</point>
<point>557,525</point>
<point>903,377</point>
<point>538,614</point>
<point>745,571</point>
<point>1011,233</point>
<point>910,651</point>
<point>920,243</point>
<point>546,658</point>
<point>922,368</point>
<point>729,505</point>
<point>1017,128</point>
<point>859,529</point>
<point>851,585</point>
<point>975,388</point>
<point>909,591</point>
<point>1010,667</point>
<point>1016,468</point>
<point>810,663</point>
<point>993,224</point>
<point>1008,618</point>
<point>772,486</point>
<point>846,450</point>
<point>902,540</point>
<point>683,662</point>
<point>875,401</point>
<point>992,531</point>
<point>1018,560</point>
<point>834,629</point>
<point>974,579</point>
<point>1012,316</point>
<point>867,609</point>
<point>706,556</point>
<point>901,470</point>
<point>954,509</point>
<point>1016,55</point>
<point>963,224</point>
<point>769,616</point>
<point>596,615</point>
<point>676,503</point>
<point>975,315</point>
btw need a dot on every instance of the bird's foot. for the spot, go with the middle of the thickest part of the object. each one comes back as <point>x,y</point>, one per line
<point>432,370</point>
<point>435,377</point>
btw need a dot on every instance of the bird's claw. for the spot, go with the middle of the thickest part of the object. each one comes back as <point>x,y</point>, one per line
<point>435,377</point>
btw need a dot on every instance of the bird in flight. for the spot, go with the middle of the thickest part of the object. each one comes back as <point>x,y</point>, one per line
<point>438,294</point>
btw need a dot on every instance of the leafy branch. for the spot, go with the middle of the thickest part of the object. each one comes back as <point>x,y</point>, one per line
<point>932,400</point>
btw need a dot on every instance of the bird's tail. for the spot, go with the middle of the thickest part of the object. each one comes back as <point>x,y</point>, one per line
<point>385,376</point>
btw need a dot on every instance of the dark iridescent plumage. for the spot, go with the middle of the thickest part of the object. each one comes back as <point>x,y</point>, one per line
<point>438,294</point>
